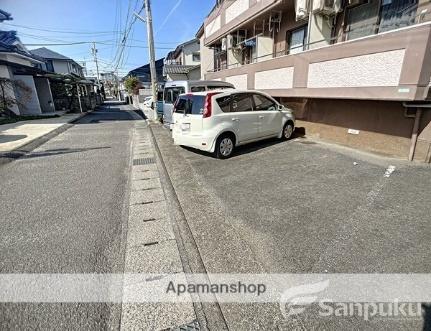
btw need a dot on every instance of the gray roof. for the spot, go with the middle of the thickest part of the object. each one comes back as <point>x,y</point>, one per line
<point>48,54</point>
<point>178,69</point>
<point>9,42</point>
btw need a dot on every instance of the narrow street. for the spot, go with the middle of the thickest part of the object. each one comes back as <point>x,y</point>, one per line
<point>63,211</point>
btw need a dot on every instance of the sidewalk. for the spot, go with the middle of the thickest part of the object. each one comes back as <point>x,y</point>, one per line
<point>15,135</point>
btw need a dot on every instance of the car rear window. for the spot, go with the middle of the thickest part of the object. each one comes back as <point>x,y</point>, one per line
<point>224,103</point>
<point>171,93</point>
<point>190,104</point>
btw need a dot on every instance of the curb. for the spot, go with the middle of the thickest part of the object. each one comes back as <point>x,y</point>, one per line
<point>8,157</point>
<point>209,315</point>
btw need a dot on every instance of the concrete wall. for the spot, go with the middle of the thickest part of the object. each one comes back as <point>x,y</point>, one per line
<point>44,94</point>
<point>382,127</point>
<point>6,73</point>
<point>32,105</point>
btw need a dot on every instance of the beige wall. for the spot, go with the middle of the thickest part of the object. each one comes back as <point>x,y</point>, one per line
<point>396,65</point>
<point>207,58</point>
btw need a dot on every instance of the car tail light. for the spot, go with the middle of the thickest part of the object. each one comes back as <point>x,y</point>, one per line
<point>208,105</point>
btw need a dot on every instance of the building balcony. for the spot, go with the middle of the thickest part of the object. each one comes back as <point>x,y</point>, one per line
<point>394,65</point>
<point>231,14</point>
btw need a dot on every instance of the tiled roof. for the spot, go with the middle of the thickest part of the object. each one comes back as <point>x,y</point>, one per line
<point>48,54</point>
<point>7,38</point>
<point>9,42</point>
<point>178,69</point>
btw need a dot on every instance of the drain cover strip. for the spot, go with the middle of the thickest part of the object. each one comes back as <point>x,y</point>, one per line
<point>145,160</point>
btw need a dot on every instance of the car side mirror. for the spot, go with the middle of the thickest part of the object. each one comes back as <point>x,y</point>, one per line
<point>280,107</point>
<point>152,105</point>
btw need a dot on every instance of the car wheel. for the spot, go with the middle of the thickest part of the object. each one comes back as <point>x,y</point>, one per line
<point>287,131</point>
<point>224,146</point>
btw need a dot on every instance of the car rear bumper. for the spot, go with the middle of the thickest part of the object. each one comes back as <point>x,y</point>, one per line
<point>204,143</point>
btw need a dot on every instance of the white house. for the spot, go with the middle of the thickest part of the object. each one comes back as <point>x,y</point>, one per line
<point>184,62</point>
<point>58,63</point>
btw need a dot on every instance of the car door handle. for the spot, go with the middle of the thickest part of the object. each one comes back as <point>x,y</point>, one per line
<point>235,119</point>
<point>261,116</point>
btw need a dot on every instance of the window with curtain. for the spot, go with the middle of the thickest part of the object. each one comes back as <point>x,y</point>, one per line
<point>378,16</point>
<point>297,39</point>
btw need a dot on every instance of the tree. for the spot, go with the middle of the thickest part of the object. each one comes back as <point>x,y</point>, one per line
<point>132,85</point>
<point>9,88</point>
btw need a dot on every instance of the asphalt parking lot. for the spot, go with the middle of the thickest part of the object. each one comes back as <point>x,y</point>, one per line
<point>302,207</point>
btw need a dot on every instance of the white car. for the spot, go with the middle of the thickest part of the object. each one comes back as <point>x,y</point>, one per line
<point>218,121</point>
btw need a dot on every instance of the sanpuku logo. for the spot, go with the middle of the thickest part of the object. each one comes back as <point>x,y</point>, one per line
<point>294,300</point>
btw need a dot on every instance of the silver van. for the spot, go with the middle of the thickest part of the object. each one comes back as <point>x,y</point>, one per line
<point>173,89</point>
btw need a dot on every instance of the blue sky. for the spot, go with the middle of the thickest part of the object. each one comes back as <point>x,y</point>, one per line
<point>104,21</point>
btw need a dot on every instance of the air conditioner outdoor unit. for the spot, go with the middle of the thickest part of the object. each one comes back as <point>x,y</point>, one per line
<point>326,7</point>
<point>301,9</point>
<point>224,44</point>
<point>229,41</point>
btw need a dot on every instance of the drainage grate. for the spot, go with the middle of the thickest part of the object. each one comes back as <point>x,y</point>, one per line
<point>192,326</point>
<point>145,160</point>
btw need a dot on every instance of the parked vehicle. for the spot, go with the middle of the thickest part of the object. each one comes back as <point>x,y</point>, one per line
<point>218,121</point>
<point>159,107</point>
<point>173,89</point>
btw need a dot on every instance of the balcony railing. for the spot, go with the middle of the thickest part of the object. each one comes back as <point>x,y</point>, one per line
<point>393,65</point>
<point>376,28</point>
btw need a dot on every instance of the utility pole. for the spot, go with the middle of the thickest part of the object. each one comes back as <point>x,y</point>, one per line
<point>94,52</point>
<point>149,21</point>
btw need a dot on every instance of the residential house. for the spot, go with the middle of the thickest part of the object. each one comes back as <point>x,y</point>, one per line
<point>356,72</point>
<point>143,73</point>
<point>64,66</point>
<point>17,64</point>
<point>184,62</point>
<point>58,63</point>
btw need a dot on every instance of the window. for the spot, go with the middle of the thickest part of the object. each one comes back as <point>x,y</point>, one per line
<point>210,88</point>
<point>197,88</point>
<point>196,57</point>
<point>263,103</point>
<point>190,104</point>
<point>171,93</point>
<point>297,39</point>
<point>224,103</point>
<point>160,96</point>
<point>49,66</point>
<point>242,102</point>
<point>377,16</point>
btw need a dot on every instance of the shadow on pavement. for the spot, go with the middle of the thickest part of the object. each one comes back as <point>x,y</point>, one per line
<point>252,147</point>
<point>12,137</point>
<point>60,151</point>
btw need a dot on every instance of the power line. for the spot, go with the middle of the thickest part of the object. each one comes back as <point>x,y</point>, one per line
<point>60,31</point>
<point>97,42</point>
